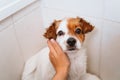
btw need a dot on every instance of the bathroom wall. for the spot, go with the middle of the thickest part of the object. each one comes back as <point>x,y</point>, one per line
<point>20,38</point>
<point>103,46</point>
<point>21,35</point>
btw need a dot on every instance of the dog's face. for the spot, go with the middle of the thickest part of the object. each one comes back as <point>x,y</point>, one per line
<point>69,33</point>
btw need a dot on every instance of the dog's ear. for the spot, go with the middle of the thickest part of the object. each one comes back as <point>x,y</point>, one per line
<point>86,26</point>
<point>51,31</point>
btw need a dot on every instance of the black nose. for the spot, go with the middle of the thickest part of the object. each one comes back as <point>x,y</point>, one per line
<point>71,42</point>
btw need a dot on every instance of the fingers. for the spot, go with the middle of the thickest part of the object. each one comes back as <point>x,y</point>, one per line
<point>52,50</point>
<point>52,58</point>
<point>56,46</point>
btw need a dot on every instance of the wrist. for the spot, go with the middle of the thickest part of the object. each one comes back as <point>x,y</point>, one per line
<point>62,74</point>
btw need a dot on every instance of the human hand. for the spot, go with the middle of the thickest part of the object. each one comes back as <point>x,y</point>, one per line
<point>59,60</point>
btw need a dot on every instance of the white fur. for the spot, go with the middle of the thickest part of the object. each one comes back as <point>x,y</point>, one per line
<point>62,39</point>
<point>39,67</point>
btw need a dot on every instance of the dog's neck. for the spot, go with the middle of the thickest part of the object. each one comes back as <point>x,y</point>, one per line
<point>73,54</point>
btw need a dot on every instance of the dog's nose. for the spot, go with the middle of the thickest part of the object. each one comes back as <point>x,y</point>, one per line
<point>71,42</point>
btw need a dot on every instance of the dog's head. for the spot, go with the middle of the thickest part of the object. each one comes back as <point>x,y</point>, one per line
<point>69,33</point>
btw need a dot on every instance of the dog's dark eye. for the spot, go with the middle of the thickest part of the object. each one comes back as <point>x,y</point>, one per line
<point>78,31</point>
<point>60,33</point>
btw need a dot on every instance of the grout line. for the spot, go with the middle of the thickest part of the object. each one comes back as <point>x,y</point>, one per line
<point>111,20</point>
<point>101,38</point>
<point>100,50</point>
<point>15,32</point>
<point>6,26</point>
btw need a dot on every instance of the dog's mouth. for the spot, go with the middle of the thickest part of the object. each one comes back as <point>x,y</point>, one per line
<point>71,48</point>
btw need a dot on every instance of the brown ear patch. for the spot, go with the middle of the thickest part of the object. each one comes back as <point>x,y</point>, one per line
<point>51,31</point>
<point>86,26</point>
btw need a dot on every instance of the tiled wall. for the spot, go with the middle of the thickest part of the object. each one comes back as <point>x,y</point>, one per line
<point>103,46</point>
<point>21,35</point>
<point>20,38</point>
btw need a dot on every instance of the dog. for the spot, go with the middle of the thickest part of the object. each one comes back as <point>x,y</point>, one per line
<point>70,35</point>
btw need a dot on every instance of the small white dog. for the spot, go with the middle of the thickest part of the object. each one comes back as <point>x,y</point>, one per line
<point>70,35</point>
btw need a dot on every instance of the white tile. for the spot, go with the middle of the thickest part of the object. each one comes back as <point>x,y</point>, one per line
<point>86,7</point>
<point>111,10</point>
<point>110,57</point>
<point>26,11</point>
<point>5,23</point>
<point>93,42</point>
<point>29,31</point>
<point>11,60</point>
<point>49,15</point>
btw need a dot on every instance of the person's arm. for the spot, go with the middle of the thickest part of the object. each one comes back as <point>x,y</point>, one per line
<point>60,76</point>
<point>59,60</point>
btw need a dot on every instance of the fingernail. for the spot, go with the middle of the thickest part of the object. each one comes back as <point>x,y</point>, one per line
<point>52,40</point>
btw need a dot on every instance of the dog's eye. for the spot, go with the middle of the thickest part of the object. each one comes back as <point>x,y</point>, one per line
<point>78,31</point>
<point>60,33</point>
